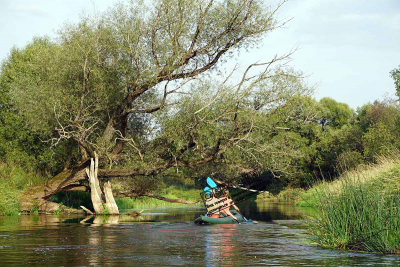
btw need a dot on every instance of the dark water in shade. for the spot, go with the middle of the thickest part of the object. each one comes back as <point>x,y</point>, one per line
<point>168,237</point>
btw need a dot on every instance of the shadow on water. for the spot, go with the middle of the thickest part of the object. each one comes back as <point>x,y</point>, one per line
<point>168,237</point>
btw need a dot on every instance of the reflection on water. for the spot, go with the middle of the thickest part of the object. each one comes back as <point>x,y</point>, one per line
<point>168,237</point>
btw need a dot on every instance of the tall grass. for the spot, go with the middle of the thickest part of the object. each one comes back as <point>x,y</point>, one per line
<point>13,181</point>
<point>173,192</point>
<point>360,211</point>
<point>9,200</point>
<point>74,199</point>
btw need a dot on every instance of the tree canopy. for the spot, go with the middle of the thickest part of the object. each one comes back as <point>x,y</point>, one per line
<point>152,90</point>
<point>143,86</point>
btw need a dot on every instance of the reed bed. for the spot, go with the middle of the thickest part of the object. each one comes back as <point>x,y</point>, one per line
<point>359,211</point>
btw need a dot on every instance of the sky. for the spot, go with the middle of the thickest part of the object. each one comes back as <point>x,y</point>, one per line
<point>346,47</point>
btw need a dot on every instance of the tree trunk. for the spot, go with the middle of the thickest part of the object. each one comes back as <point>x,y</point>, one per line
<point>66,180</point>
<point>71,179</point>
<point>102,202</point>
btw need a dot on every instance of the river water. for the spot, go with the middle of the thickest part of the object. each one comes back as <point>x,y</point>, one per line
<point>168,237</point>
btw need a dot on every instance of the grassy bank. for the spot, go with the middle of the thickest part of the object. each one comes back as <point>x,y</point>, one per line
<point>172,192</point>
<point>13,181</point>
<point>76,198</point>
<point>359,211</point>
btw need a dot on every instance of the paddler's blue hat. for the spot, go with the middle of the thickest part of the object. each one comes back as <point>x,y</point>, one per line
<point>207,190</point>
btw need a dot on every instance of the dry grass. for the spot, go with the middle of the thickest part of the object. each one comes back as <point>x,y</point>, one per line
<point>384,175</point>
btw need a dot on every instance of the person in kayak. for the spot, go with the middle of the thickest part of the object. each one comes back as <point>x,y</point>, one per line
<point>209,195</point>
<point>219,207</point>
<point>226,210</point>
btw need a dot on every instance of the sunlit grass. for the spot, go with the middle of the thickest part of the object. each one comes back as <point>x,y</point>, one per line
<point>76,198</point>
<point>13,181</point>
<point>172,192</point>
<point>359,211</point>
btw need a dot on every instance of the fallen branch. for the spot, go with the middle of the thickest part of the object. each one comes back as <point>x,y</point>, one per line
<point>239,187</point>
<point>169,199</point>
<point>87,210</point>
<point>133,194</point>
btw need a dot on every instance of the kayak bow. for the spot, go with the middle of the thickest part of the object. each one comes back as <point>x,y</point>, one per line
<point>224,220</point>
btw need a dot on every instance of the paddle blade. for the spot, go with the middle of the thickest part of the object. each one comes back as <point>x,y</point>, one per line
<point>211,183</point>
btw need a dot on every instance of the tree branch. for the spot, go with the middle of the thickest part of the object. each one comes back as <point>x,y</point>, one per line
<point>133,194</point>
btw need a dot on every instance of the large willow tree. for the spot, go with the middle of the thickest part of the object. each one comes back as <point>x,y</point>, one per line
<point>143,87</point>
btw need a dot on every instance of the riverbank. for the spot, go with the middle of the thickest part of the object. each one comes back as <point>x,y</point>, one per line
<point>15,180</point>
<point>360,210</point>
<point>181,192</point>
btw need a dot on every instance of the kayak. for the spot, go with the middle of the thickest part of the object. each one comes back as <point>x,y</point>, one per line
<point>224,220</point>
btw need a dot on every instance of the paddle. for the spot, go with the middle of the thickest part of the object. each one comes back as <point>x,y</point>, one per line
<point>211,183</point>
<point>244,217</point>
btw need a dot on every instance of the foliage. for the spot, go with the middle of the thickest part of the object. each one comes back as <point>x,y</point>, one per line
<point>349,160</point>
<point>14,179</point>
<point>145,87</point>
<point>395,74</point>
<point>125,84</point>
<point>289,195</point>
<point>20,144</point>
<point>360,211</point>
<point>382,135</point>
<point>334,114</point>
<point>379,140</point>
<point>9,203</point>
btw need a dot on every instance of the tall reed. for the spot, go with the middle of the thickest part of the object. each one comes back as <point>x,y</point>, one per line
<point>360,213</point>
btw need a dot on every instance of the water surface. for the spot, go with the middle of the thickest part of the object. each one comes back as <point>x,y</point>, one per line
<point>168,237</point>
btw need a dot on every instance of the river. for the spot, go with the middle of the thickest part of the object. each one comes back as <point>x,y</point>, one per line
<point>167,236</point>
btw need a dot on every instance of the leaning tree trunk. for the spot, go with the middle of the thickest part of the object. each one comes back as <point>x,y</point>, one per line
<point>38,196</point>
<point>72,179</point>
<point>75,178</point>
<point>102,202</point>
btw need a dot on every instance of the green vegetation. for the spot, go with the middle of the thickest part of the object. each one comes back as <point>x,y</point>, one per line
<point>172,192</point>
<point>395,74</point>
<point>359,211</point>
<point>74,199</point>
<point>150,111</point>
<point>153,111</point>
<point>284,195</point>
<point>14,179</point>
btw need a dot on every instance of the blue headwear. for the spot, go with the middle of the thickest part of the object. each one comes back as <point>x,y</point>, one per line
<point>207,190</point>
